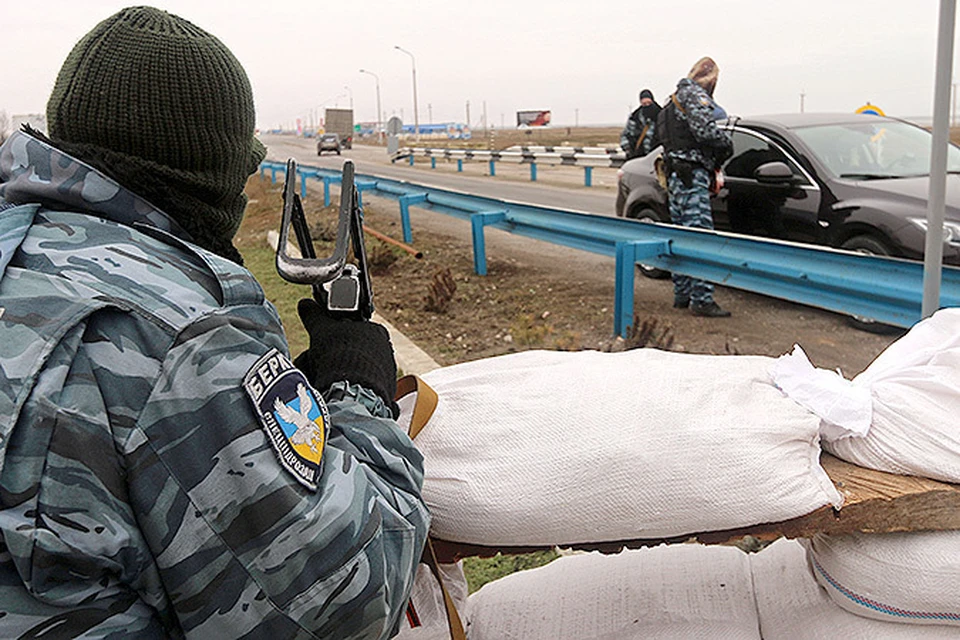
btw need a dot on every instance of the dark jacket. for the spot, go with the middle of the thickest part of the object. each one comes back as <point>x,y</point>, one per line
<point>637,137</point>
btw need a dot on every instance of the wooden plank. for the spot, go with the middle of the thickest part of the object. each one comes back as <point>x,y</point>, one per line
<point>874,502</point>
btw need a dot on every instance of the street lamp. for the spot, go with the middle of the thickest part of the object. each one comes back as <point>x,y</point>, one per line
<point>350,91</point>
<point>379,116</point>
<point>416,112</point>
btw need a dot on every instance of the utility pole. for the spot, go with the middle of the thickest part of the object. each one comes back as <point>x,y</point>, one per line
<point>802,96</point>
<point>468,113</point>
<point>429,113</point>
<point>416,110</point>
<point>576,117</point>
<point>953,109</point>
<point>484,116</point>
<point>379,112</point>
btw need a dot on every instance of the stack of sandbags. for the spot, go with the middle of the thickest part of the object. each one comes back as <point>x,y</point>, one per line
<point>678,592</point>
<point>915,387</point>
<point>793,606</point>
<point>555,448</point>
<point>912,391</point>
<point>899,577</point>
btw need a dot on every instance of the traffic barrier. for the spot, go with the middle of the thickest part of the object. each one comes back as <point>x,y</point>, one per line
<point>586,157</point>
<point>888,290</point>
<point>567,150</point>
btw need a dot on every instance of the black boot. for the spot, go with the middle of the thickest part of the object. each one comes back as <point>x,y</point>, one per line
<point>708,310</point>
<point>681,302</point>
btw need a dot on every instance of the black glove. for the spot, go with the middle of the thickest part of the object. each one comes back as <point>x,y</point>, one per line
<point>356,351</point>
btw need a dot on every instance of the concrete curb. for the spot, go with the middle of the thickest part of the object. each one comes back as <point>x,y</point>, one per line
<point>411,359</point>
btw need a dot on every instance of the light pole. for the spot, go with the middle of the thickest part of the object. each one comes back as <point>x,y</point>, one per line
<point>416,112</point>
<point>379,116</point>
<point>350,91</point>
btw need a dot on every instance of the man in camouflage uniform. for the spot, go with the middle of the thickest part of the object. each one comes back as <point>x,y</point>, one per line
<point>694,148</point>
<point>638,135</point>
<point>165,470</point>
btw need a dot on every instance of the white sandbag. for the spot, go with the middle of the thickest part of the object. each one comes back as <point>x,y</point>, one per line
<point>903,577</point>
<point>670,592</point>
<point>427,599</point>
<point>844,408</point>
<point>915,386</point>
<point>556,448</point>
<point>792,606</point>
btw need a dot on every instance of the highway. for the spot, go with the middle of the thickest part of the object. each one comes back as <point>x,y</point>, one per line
<point>560,187</point>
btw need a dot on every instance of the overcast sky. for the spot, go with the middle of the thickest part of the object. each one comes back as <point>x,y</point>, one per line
<point>584,61</point>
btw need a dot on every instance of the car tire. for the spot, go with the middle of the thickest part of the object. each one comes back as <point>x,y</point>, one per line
<point>649,215</point>
<point>874,246</point>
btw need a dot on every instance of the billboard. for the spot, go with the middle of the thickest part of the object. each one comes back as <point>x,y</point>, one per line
<point>533,118</point>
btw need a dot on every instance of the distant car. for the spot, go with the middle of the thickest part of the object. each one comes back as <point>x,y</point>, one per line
<point>850,181</point>
<point>328,142</point>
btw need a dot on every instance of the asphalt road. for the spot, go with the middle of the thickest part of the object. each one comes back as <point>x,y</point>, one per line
<point>560,187</point>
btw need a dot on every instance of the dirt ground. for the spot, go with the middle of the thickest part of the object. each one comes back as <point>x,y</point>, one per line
<point>542,296</point>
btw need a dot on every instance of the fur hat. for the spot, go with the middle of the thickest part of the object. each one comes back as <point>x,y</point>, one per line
<point>705,73</point>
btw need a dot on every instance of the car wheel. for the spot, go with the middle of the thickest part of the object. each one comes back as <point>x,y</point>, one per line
<point>649,215</point>
<point>873,246</point>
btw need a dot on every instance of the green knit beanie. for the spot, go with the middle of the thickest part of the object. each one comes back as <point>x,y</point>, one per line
<point>164,108</point>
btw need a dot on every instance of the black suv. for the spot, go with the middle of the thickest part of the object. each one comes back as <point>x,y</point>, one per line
<point>852,181</point>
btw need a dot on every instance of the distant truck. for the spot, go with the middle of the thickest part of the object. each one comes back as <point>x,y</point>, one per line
<point>340,121</point>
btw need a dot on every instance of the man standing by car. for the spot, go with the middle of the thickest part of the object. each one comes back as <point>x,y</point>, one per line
<point>637,137</point>
<point>694,148</point>
<point>166,471</point>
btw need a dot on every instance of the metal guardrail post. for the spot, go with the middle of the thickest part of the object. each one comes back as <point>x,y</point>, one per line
<point>364,185</point>
<point>493,168</point>
<point>460,165</point>
<point>588,176</point>
<point>262,169</point>
<point>477,222</point>
<point>533,172</point>
<point>273,174</point>
<point>433,163</point>
<point>303,184</point>
<point>327,181</point>
<point>627,256</point>
<point>405,202</point>
<point>623,296</point>
<point>411,159</point>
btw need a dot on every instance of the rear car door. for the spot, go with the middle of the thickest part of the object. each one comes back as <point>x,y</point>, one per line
<point>785,210</point>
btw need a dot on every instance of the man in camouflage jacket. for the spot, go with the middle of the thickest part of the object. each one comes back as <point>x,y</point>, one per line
<point>639,134</point>
<point>694,147</point>
<point>165,470</point>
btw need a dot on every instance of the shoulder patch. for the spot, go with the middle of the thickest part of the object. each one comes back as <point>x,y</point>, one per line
<point>705,101</point>
<point>293,415</point>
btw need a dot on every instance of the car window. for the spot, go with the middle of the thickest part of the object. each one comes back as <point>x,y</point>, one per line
<point>751,151</point>
<point>875,149</point>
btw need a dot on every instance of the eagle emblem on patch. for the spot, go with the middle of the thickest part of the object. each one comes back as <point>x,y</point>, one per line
<point>294,417</point>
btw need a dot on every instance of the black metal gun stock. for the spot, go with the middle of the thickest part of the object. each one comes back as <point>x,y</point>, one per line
<point>340,287</point>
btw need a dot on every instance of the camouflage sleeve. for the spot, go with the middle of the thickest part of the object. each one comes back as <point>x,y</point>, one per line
<point>698,109</point>
<point>628,137</point>
<point>244,547</point>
